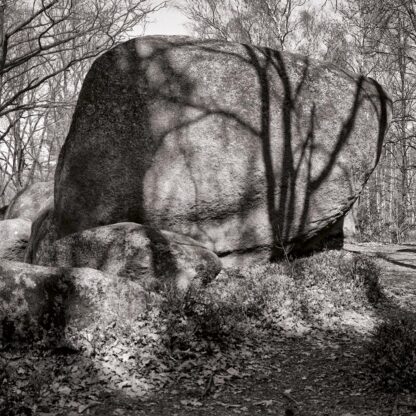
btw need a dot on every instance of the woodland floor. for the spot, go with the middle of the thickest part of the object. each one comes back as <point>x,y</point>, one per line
<point>322,373</point>
<point>318,373</point>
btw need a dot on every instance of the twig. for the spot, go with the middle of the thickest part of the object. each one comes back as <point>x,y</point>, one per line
<point>232,406</point>
<point>288,396</point>
<point>285,252</point>
<point>209,385</point>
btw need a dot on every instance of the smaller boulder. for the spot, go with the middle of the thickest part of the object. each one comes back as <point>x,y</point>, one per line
<point>14,237</point>
<point>42,302</point>
<point>150,256</point>
<point>29,202</point>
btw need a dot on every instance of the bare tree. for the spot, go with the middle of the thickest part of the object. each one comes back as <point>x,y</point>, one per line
<point>384,37</point>
<point>33,34</point>
<point>46,47</point>
<point>262,22</point>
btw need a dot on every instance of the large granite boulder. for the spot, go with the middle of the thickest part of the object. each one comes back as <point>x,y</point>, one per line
<point>144,254</point>
<point>14,237</point>
<point>29,202</point>
<point>38,302</point>
<point>240,147</point>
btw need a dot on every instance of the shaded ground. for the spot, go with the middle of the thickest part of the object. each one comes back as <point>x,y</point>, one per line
<point>316,373</point>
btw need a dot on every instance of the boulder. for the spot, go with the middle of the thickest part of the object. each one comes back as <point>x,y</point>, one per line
<point>29,202</point>
<point>38,302</point>
<point>144,254</point>
<point>240,147</point>
<point>43,234</point>
<point>14,237</point>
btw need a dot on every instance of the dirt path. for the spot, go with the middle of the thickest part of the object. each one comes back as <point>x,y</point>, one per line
<point>398,264</point>
<point>395,259</point>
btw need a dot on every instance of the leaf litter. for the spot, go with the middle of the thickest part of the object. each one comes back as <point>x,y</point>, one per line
<point>163,366</point>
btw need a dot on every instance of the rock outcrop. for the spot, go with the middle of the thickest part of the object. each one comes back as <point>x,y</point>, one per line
<point>242,148</point>
<point>139,253</point>
<point>29,202</point>
<point>14,237</point>
<point>39,302</point>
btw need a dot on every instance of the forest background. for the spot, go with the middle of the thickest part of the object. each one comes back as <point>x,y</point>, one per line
<point>47,47</point>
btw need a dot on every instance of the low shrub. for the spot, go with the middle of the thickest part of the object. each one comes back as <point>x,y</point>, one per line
<point>353,276</point>
<point>194,318</point>
<point>393,353</point>
<point>310,292</point>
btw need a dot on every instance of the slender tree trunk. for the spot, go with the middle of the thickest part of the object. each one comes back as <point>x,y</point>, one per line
<point>2,36</point>
<point>402,209</point>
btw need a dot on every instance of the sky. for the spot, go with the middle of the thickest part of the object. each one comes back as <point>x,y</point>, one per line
<point>168,21</point>
<point>171,21</point>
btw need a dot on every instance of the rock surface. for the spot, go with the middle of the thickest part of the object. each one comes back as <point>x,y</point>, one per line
<point>3,211</point>
<point>40,301</point>
<point>29,202</point>
<point>14,237</point>
<point>349,228</point>
<point>43,234</point>
<point>147,255</point>
<point>241,148</point>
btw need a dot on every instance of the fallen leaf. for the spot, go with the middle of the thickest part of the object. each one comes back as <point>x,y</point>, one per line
<point>233,372</point>
<point>65,390</point>
<point>82,408</point>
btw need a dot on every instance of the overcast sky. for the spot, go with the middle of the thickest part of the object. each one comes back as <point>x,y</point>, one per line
<point>168,21</point>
